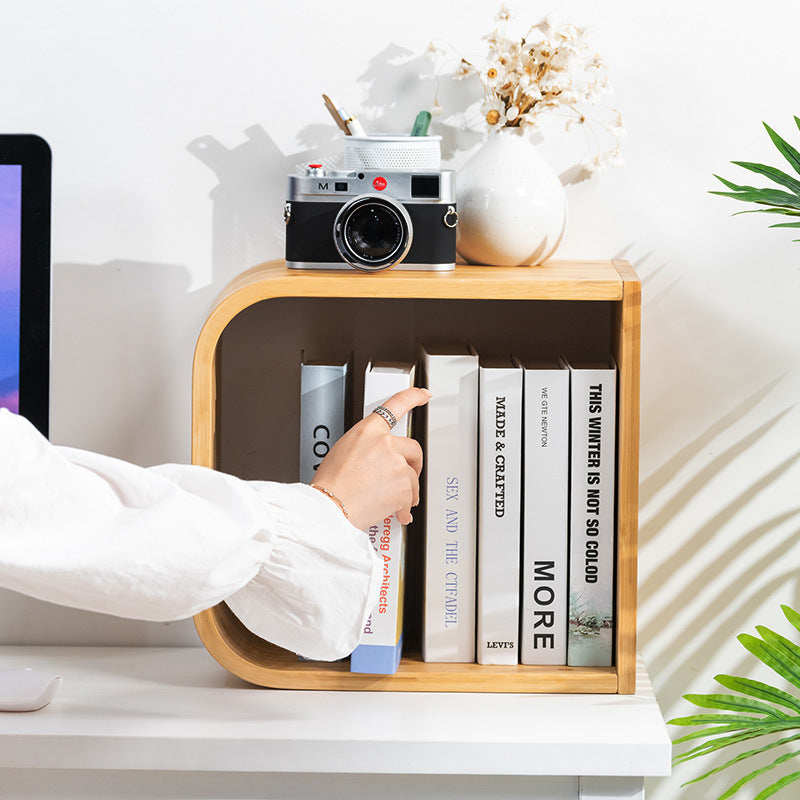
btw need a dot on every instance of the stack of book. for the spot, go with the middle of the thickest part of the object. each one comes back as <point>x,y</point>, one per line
<point>518,496</point>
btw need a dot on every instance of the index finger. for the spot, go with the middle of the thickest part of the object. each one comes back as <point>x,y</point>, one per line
<point>402,402</point>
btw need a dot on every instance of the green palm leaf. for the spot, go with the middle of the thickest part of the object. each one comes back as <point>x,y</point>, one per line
<point>773,173</point>
<point>726,702</point>
<point>748,754</point>
<point>788,211</point>
<point>785,149</point>
<point>778,785</point>
<point>790,614</point>
<point>753,710</point>
<point>735,186</point>
<point>759,690</point>
<point>699,734</point>
<point>704,719</point>
<point>736,738</point>
<point>777,201</point>
<point>757,773</point>
<point>773,658</point>
<point>767,197</point>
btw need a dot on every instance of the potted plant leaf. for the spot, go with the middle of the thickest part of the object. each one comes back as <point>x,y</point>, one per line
<point>775,201</point>
<point>751,709</point>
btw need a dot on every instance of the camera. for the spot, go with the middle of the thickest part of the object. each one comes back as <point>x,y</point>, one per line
<point>371,220</point>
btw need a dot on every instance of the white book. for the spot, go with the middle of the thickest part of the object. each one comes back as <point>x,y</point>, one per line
<point>593,400</point>
<point>545,528</point>
<point>499,507</point>
<point>323,398</point>
<point>450,486</point>
<point>381,643</point>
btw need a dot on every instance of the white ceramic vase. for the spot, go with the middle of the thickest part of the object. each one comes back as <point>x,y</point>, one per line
<point>511,204</point>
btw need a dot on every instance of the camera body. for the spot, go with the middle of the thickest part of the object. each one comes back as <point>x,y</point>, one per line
<point>371,220</point>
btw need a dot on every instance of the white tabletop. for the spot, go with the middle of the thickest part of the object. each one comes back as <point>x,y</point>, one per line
<point>176,709</point>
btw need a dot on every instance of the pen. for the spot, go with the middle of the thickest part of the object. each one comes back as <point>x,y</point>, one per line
<point>421,124</point>
<point>347,122</point>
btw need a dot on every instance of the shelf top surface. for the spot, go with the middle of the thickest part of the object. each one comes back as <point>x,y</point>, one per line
<point>567,280</point>
<point>176,709</point>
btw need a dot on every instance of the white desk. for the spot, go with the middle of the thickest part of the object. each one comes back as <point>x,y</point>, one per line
<point>171,723</point>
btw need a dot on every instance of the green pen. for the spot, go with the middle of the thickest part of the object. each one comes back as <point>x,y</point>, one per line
<point>421,124</point>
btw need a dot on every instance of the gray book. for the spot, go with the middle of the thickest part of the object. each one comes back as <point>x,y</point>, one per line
<point>323,397</point>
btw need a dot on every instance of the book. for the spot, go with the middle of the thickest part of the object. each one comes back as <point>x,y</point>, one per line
<point>499,507</point>
<point>450,492</point>
<point>593,397</point>
<point>381,643</point>
<point>323,412</point>
<point>324,393</point>
<point>545,527</point>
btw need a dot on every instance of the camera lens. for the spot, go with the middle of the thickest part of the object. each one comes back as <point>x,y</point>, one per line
<point>372,233</point>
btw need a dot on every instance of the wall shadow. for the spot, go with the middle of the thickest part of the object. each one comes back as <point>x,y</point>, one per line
<point>719,534</point>
<point>123,334</point>
<point>247,202</point>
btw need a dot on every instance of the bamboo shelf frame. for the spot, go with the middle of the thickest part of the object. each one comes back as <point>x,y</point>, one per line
<point>612,284</point>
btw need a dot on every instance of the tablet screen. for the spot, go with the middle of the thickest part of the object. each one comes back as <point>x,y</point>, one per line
<point>10,232</point>
<point>25,277</point>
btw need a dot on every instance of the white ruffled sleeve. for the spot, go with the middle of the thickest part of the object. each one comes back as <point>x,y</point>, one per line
<point>163,543</point>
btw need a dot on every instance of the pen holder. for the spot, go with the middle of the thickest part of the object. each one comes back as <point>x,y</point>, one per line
<point>390,152</point>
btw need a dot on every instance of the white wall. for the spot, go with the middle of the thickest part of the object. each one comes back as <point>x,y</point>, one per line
<point>173,125</point>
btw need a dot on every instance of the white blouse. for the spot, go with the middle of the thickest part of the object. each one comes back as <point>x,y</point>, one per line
<point>166,542</point>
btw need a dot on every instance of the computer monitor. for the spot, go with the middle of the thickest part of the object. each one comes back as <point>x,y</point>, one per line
<point>25,169</point>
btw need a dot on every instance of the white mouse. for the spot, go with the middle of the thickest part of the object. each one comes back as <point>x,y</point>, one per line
<point>26,689</point>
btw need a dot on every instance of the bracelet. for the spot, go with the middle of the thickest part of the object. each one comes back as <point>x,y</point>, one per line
<point>332,497</point>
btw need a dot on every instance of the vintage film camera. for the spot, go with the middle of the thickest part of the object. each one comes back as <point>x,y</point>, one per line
<point>371,220</point>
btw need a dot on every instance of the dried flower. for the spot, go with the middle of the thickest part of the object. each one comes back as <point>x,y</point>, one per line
<point>503,14</point>
<point>495,113</point>
<point>465,69</point>
<point>433,50</point>
<point>552,68</point>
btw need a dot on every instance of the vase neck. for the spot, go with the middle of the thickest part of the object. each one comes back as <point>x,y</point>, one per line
<point>504,130</point>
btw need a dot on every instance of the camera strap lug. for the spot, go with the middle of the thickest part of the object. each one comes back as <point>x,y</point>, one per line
<point>287,212</point>
<point>450,218</point>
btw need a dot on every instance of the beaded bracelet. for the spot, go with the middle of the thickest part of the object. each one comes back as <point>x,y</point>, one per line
<point>332,497</point>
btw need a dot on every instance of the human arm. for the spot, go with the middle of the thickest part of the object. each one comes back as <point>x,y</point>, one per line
<point>93,532</point>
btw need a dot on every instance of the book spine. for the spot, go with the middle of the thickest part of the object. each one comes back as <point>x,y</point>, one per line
<point>322,413</point>
<point>499,505</point>
<point>545,544</point>
<point>450,516</point>
<point>381,645</point>
<point>593,456</point>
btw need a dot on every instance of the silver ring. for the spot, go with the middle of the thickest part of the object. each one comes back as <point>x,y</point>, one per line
<point>384,412</point>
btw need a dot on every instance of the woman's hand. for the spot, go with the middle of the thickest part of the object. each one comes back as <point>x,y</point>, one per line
<point>373,472</point>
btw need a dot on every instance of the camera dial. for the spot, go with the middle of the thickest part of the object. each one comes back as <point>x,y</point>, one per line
<point>372,232</point>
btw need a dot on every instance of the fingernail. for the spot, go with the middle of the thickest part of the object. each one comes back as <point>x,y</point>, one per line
<point>427,392</point>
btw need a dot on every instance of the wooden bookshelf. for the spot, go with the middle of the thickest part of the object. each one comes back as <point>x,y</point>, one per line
<point>245,420</point>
